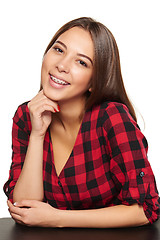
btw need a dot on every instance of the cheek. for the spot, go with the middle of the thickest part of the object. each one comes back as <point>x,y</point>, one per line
<point>44,64</point>
<point>82,76</point>
<point>44,71</point>
<point>42,75</point>
<point>86,79</point>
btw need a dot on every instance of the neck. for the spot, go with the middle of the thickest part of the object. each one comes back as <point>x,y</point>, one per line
<point>71,113</point>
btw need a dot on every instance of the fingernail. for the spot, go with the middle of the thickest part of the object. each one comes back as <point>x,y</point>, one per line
<point>15,204</point>
<point>55,110</point>
<point>58,107</point>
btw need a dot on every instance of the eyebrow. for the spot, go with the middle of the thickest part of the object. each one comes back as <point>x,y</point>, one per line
<point>79,54</point>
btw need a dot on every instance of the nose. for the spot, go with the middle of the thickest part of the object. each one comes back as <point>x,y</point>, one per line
<point>63,65</point>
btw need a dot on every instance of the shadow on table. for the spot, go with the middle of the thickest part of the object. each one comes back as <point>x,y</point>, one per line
<point>139,233</point>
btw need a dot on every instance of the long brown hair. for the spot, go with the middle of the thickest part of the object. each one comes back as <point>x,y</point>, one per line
<point>106,83</point>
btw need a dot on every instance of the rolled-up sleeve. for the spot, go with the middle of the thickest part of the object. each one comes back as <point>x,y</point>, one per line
<point>129,165</point>
<point>20,137</point>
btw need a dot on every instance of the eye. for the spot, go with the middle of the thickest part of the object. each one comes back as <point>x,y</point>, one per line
<point>57,49</point>
<point>82,63</point>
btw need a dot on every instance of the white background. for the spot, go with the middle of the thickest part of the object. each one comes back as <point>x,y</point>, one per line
<point>26,28</point>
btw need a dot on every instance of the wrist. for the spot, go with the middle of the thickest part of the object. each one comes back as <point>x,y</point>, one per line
<point>56,218</point>
<point>36,136</point>
<point>61,218</point>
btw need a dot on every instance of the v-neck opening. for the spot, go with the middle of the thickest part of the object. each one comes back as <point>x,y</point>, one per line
<point>68,160</point>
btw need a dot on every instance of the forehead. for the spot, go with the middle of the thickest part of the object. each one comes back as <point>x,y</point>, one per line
<point>78,39</point>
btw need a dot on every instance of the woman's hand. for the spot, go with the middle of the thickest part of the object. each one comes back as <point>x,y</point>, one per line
<point>34,213</point>
<point>41,109</point>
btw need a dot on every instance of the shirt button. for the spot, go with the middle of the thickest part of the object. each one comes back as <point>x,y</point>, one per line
<point>141,174</point>
<point>59,183</point>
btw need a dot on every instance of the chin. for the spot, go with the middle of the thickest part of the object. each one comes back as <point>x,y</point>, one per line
<point>49,94</point>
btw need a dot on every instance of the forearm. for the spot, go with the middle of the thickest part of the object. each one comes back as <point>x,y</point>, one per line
<point>30,182</point>
<point>110,217</point>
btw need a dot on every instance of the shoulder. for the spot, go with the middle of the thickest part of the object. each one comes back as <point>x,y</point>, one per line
<point>22,116</point>
<point>112,108</point>
<point>112,113</point>
<point>113,117</point>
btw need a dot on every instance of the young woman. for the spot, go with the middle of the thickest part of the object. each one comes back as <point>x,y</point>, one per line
<point>79,157</point>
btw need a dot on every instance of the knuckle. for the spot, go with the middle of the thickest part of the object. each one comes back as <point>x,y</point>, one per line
<point>46,101</point>
<point>44,105</point>
<point>47,106</point>
<point>25,215</point>
<point>25,220</point>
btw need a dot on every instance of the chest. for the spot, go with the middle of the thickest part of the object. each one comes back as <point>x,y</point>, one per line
<point>62,146</point>
<point>79,173</point>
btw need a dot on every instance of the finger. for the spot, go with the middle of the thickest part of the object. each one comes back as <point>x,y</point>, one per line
<point>46,100</point>
<point>16,217</point>
<point>10,205</point>
<point>41,97</point>
<point>46,107</point>
<point>26,204</point>
<point>43,103</point>
<point>19,222</point>
<point>38,110</point>
<point>14,210</point>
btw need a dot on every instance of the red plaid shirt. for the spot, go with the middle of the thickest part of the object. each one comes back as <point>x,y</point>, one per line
<point>108,165</point>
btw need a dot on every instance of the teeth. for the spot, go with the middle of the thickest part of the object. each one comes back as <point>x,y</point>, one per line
<point>56,80</point>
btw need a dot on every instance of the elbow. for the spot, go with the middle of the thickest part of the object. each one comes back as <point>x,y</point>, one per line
<point>139,215</point>
<point>145,222</point>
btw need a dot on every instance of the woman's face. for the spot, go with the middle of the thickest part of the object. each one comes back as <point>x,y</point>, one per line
<point>68,65</point>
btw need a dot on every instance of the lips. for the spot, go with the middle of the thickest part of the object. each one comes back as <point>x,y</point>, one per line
<point>58,81</point>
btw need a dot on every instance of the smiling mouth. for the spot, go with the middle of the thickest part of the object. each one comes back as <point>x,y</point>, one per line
<point>59,81</point>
